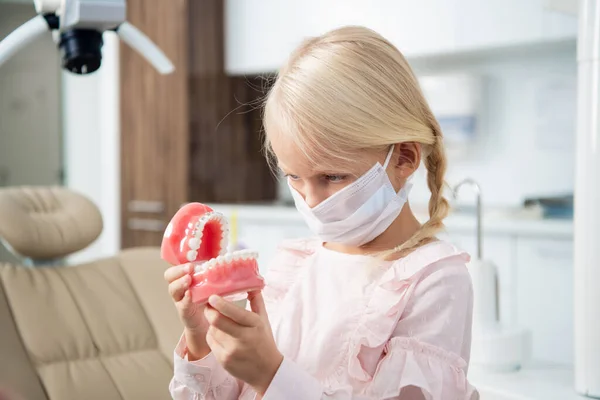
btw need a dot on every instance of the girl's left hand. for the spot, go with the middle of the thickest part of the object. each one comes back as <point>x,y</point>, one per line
<point>242,341</point>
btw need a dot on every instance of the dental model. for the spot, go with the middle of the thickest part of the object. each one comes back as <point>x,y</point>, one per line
<point>199,235</point>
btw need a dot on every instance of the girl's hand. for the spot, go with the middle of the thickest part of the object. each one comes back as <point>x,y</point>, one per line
<point>190,314</point>
<point>242,341</point>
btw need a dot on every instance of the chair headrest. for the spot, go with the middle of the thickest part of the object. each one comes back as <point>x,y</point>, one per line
<point>45,223</point>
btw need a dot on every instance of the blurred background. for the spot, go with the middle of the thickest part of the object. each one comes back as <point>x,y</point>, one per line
<point>501,76</point>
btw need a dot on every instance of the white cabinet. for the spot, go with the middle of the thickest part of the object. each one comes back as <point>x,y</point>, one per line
<point>498,249</point>
<point>545,296</point>
<point>536,288</point>
<point>260,35</point>
<point>495,23</point>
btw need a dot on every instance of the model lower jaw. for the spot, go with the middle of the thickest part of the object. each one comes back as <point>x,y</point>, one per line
<point>227,260</point>
<point>226,275</point>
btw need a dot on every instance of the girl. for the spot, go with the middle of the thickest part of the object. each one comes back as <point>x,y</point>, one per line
<point>373,308</point>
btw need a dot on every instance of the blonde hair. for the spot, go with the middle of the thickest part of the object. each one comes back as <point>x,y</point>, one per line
<point>351,90</point>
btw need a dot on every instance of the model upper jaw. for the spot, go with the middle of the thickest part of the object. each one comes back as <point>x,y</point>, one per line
<point>210,229</point>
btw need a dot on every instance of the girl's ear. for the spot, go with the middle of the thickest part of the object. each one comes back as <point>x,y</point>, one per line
<point>408,158</point>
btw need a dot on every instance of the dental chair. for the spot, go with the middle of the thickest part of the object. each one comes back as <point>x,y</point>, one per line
<point>42,225</point>
<point>100,330</point>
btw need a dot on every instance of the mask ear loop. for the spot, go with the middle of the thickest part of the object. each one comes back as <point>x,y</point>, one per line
<point>387,161</point>
<point>388,158</point>
<point>408,185</point>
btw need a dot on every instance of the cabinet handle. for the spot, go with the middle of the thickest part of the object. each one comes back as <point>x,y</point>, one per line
<point>148,225</point>
<point>145,206</point>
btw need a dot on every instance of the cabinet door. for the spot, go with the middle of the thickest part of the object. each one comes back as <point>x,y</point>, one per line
<point>154,125</point>
<point>260,38</point>
<point>495,23</point>
<point>545,296</point>
<point>407,25</point>
<point>498,249</point>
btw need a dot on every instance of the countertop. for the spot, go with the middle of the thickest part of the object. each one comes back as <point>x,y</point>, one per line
<point>531,383</point>
<point>495,221</point>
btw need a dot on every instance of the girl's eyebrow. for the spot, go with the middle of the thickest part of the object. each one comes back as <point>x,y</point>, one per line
<point>280,164</point>
<point>315,172</point>
<point>282,168</point>
<point>286,171</point>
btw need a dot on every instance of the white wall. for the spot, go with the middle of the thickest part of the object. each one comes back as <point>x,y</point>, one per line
<point>92,144</point>
<point>30,112</point>
<point>526,140</point>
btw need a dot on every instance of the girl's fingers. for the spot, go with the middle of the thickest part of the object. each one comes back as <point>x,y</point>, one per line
<point>257,305</point>
<point>178,287</point>
<point>222,323</point>
<point>176,272</point>
<point>186,300</point>
<point>233,312</point>
<point>213,341</point>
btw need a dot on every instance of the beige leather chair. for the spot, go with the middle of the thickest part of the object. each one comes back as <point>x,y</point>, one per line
<point>101,330</point>
<point>41,225</point>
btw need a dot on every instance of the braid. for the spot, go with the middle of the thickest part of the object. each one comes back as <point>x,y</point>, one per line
<point>435,162</point>
<point>436,171</point>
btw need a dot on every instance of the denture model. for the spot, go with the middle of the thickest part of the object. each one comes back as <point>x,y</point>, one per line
<point>199,235</point>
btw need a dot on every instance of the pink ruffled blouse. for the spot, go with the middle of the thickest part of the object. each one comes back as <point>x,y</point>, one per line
<point>352,329</point>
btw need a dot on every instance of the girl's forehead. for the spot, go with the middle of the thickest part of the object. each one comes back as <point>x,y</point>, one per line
<point>290,157</point>
<point>312,159</point>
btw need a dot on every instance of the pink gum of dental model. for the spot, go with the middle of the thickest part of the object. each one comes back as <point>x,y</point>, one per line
<point>197,234</point>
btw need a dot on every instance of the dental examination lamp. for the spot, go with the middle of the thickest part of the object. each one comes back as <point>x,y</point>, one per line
<point>77,26</point>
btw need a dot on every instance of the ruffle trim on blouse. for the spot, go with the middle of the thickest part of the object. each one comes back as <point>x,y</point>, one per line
<point>289,258</point>
<point>438,373</point>
<point>389,299</point>
<point>415,363</point>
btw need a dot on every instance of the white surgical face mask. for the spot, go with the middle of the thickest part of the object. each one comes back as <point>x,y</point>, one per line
<point>358,213</point>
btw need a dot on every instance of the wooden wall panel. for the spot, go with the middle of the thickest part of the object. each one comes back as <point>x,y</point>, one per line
<point>190,136</point>
<point>154,124</point>
<point>226,164</point>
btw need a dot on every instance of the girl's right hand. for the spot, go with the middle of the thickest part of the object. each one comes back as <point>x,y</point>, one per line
<point>192,315</point>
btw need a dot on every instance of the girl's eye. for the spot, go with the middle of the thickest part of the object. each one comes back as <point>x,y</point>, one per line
<point>292,177</point>
<point>335,178</point>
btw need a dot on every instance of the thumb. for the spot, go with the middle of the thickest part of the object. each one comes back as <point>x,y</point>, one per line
<point>257,303</point>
